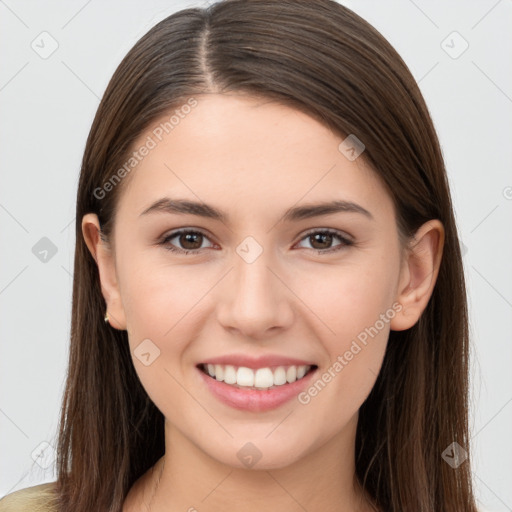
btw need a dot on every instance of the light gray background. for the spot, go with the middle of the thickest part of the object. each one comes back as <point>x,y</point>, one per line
<point>47,106</point>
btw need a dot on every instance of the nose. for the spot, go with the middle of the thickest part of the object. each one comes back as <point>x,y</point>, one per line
<point>255,298</point>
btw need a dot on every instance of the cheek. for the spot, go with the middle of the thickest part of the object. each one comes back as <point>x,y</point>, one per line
<point>355,307</point>
<point>164,303</point>
<point>349,298</point>
<point>159,306</point>
<point>155,293</point>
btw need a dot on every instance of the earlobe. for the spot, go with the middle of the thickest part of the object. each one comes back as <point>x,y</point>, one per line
<point>419,274</point>
<point>104,258</point>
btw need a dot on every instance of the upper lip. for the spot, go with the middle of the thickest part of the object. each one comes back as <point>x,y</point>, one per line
<point>263,361</point>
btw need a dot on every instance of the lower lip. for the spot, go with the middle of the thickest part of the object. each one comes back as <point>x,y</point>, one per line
<point>252,399</point>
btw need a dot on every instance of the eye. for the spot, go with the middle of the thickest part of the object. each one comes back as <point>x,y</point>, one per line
<point>325,237</point>
<point>189,239</point>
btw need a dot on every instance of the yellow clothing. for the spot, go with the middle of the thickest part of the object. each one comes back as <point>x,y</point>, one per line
<point>38,498</point>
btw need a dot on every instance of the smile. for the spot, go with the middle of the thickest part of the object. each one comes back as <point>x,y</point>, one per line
<point>260,379</point>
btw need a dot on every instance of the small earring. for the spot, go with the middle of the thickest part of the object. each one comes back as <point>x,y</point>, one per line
<point>106,317</point>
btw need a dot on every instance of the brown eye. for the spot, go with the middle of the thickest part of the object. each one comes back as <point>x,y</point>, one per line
<point>190,240</point>
<point>187,241</point>
<point>322,240</point>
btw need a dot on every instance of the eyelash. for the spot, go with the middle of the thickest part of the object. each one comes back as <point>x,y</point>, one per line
<point>345,241</point>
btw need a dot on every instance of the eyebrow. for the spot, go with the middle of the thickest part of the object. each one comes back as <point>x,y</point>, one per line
<point>184,206</point>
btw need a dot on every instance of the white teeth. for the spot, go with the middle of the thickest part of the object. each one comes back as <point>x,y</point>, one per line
<point>245,376</point>
<point>291,374</point>
<point>262,378</point>
<point>230,375</point>
<point>219,372</point>
<point>279,376</point>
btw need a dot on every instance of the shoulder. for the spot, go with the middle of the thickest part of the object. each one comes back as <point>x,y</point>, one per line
<point>38,498</point>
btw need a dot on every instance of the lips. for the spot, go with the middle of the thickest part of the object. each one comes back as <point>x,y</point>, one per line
<point>255,400</point>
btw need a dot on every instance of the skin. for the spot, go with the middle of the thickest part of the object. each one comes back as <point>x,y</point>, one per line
<point>254,159</point>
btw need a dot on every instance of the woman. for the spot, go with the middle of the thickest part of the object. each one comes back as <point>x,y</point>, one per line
<point>269,307</point>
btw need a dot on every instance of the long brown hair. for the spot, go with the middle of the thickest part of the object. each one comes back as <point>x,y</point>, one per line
<point>321,58</point>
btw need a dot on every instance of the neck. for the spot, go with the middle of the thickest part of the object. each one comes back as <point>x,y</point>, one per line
<point>187,479</point>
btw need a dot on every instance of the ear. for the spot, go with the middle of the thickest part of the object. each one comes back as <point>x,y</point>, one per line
<point>418,275</point>
<point>104,256</point>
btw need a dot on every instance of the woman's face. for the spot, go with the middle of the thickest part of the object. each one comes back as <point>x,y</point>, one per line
<point>265,280</point>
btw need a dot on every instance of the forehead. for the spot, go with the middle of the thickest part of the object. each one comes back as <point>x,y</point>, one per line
<point>240,152</point>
